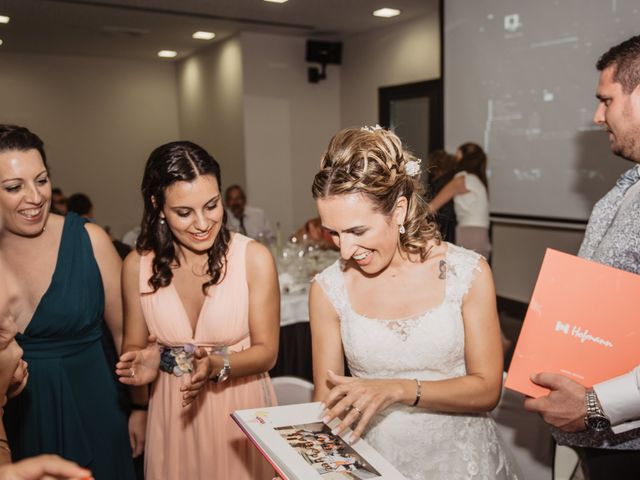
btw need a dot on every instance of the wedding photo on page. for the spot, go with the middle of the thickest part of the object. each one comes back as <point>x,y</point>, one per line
<point>300,446</point>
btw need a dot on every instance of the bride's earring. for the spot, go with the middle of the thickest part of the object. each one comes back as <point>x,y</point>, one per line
<point>401,229</point>
<point>162,221</point>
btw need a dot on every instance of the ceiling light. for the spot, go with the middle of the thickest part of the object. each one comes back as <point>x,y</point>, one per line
<point>0,41</point>
<point>167,53</point>
<point>4,19</point>
<point>276,1</point>
<point>203,35</point>
<point>386,12</point>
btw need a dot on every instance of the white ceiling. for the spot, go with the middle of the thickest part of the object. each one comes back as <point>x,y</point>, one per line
<point>138,29</point>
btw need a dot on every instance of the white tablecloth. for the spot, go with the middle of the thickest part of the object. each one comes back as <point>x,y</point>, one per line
<point>296,268</point>
<point>294,307</point>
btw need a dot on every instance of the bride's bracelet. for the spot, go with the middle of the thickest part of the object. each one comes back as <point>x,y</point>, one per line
<point>418,393</point>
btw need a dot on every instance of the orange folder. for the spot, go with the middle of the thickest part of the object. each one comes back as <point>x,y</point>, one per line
<point>583,321</point>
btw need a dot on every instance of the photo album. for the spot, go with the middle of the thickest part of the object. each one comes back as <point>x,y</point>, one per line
<point>300,446</point>
<point>581,323</point>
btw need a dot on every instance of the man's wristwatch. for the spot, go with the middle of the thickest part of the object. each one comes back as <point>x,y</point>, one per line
<point>224,372</point>
<point>595,419</point>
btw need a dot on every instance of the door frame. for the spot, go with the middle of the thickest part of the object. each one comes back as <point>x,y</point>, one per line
<point>429,88</point>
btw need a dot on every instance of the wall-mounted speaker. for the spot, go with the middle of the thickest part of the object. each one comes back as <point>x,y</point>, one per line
<point>324,52</point>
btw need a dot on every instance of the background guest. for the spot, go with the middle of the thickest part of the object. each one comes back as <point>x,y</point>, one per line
<point>442,168</point>
<point>70,275</point>
<point>80,204</point>
<point>245,219</point>
<point>131,237</point>
<point>313,232</point>
<point>469,191</point>
<point>58,202</point>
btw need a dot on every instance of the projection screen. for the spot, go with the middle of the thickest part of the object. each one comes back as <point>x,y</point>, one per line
<point>520,80</point>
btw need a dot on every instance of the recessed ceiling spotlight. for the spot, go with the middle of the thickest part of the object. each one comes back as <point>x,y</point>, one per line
<point>386,12</point>
<point>167,53</point>
<point>0,41</point>
<point>4,19</point>
<point>203,35</point>
<point>276,1</point>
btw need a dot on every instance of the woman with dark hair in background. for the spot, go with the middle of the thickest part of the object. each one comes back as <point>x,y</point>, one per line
<point>442,168</point>
<point>70,274</point>
<point>469,190</point>
<point>80,204</point>
<point>211,299</point>
<point>58,201</point>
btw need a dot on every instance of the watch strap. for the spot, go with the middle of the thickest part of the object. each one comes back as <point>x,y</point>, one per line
<point>595,419</point>
<point>224,372</point>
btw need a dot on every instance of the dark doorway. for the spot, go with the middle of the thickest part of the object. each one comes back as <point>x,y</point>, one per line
<point>415,112</point>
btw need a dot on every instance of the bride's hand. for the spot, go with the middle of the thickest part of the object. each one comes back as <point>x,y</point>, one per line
<point>139,367</point>
<point>358,400</point>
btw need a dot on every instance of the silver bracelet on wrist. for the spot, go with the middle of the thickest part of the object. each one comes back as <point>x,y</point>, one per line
<point>418,393</point>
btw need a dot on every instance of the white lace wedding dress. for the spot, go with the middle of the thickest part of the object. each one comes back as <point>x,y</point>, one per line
<point>419,443</point>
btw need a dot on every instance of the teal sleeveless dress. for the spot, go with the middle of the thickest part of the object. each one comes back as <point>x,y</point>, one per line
<point>70,405</point>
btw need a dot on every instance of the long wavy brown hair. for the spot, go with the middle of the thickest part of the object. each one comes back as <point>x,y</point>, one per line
<point>373,162</point>
<point>474,160</point>
<point>167,164</point>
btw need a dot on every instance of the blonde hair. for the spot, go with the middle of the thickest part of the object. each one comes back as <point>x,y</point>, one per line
<point>373,162</point>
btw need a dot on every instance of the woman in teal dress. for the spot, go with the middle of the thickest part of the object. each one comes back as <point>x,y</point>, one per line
<point>70,272</point>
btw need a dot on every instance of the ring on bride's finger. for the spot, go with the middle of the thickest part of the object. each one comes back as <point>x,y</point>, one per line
<point>133,373</point>
<point>353,407</point>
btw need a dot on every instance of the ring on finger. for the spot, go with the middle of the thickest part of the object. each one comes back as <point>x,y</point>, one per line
<point>353,407</point>
<point>133,372</point>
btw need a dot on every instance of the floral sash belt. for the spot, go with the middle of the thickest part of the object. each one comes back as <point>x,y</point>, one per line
<point>179,360</point>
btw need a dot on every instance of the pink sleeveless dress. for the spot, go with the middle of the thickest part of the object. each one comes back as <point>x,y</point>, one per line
<point>201,441</point>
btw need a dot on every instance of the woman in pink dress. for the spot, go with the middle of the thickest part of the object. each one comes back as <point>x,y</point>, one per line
<point>211,300</point>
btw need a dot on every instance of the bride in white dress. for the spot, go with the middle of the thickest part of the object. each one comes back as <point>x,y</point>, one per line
<point>414,316</point>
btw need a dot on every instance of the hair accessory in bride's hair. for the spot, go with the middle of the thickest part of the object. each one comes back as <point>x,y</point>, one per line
<point>412,167</point>
<point>369,129</point>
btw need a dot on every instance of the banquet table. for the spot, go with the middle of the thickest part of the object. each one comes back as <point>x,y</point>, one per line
<point>297,265</point>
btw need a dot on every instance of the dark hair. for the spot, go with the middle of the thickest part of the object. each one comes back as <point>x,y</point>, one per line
<point>79,203</point>
<point>625,59</point>
<point>231,188</point>
<point>440,162</point>
<point>13,137</point>
<point>474,161</point>
<point>56,191</point>
<point>167,164</point>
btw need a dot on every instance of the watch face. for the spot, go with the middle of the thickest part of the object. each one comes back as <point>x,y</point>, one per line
<point>598,422</point>
<point>224,374</point>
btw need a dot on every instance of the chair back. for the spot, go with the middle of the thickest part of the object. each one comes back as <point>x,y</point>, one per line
<point>292,390</point>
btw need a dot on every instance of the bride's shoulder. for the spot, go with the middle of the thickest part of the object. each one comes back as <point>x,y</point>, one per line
<point>451,252</point>
<point>331,273</point>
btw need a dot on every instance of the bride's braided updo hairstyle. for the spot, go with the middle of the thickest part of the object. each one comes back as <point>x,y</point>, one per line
<point>372,162</point>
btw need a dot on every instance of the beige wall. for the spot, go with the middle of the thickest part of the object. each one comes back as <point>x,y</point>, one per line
<point>246,100</point>
<point>405,52</point>
<point>288,124</point>
<point>99,119</point>
<point>210,105</point>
